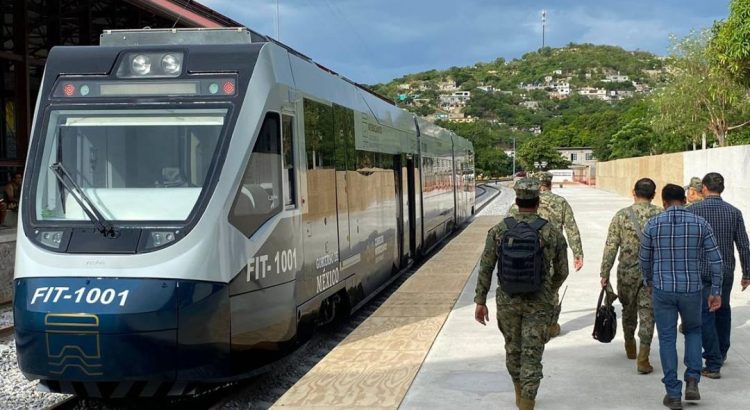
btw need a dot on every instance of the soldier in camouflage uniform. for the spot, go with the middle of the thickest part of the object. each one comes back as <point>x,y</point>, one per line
<point>558,212</point>
<point>624,234</point>
<point>524,319</point>
<point>694,191</point>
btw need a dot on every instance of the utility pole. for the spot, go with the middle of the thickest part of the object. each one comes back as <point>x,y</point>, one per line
<point>277,21</point>
<point>544,24</point>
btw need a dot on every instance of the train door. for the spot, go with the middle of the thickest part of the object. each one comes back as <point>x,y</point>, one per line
<point>343,125</point>
<point>402,219</point>
<point>321,247</point>
<point>412,204</point>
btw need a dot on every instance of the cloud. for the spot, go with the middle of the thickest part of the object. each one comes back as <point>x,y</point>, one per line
<point>374,41</point>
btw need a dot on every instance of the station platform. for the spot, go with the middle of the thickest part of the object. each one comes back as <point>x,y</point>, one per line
<point>422,348</point>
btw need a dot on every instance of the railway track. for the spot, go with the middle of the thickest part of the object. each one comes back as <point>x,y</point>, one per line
<point>6,331</point>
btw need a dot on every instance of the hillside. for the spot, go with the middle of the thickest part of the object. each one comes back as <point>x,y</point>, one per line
<point>578,95</point>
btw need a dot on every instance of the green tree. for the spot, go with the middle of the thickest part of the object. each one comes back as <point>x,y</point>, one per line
<point>632,140</point>
<point>730,43</point>
<point>699,98</point>
<point>540,150</point>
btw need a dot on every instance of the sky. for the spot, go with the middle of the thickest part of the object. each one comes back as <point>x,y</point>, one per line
<point>372,41</point>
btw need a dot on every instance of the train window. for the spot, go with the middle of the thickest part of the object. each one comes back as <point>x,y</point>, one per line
<point>139,164</point>
<point>287,136</point>
<point>343,122</point>
<point>259,197</point>
<point>319,144</point>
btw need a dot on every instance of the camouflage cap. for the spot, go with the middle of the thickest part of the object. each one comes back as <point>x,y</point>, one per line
<point>543,176</point>
<point>526,188</point>
<point>695,183</point>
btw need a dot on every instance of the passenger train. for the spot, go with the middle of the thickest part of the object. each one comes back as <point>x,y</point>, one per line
<point>197,201</point>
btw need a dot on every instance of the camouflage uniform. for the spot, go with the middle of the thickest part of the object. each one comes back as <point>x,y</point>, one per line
<point>524,319</point>
<point>696,184</point>
<point>636,302</point>
<point>558,212</point>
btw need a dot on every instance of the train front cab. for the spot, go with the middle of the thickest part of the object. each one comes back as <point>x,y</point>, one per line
<point>124,255</point>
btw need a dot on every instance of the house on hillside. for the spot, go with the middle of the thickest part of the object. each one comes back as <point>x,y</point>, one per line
<point>562,87</point>
<point>641,87</point>
<point>449,86</point>
<point>531,105</point>
<point>652,73</point>
<point>591,92</point>
<point>557,72</point>
<point>531,87</point>
<point>404,87</point>
<point>620,94</point>
<point>487,88</point>
<point>616,78</point>
<point>456,99</point>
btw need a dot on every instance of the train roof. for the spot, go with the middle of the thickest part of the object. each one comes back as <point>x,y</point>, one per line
<point>202,36</point>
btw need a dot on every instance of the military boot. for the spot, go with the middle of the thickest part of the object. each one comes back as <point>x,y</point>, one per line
<point>517,385</point>
<point>526,404</point>
<point>554,330</point>
<point>630,348</point>
<point>644,366</point>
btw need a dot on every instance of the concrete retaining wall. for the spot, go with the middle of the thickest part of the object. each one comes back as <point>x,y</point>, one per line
<point>733,163</point>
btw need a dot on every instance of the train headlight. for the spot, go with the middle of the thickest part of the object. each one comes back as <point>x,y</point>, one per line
<point>164,64</point>
<point>171,63</point>
<point>141,64</point>
<point>53,239</point>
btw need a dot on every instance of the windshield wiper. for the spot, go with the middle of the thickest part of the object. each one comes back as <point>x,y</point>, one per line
<point>88,207</point>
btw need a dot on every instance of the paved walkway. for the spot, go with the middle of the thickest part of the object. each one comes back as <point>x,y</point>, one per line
<point>465,367</point>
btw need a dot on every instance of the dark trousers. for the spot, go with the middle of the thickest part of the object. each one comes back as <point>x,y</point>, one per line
<point>667,306</point>
<point>711,351</point>
<point>724,317</point>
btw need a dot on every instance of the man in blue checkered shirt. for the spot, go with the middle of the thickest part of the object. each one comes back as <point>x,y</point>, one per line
<point>729,228</point>
<point>672,244</point>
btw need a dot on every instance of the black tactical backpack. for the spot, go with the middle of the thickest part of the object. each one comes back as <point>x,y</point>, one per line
<point>520,262</point>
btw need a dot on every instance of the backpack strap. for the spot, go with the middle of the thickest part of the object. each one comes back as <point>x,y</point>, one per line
<point>510,222</point>
<point>538,223</point>
<point>634,221</point>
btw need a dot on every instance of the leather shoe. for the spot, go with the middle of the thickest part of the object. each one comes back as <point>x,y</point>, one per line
<point>691,389</point>
<point>674,403</point>
<point>711,374</point>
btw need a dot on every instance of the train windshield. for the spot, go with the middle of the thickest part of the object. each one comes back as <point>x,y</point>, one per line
<point>134,165</point>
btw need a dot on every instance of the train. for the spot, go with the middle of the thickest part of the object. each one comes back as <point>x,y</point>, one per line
<point>197,201</point>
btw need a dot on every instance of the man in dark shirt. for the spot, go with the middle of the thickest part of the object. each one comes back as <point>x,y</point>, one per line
<point>729,228</point>
<point>671,246</point>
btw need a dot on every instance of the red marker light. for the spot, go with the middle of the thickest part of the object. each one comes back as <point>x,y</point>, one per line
<point>228,87</point>
<point>69,89</point>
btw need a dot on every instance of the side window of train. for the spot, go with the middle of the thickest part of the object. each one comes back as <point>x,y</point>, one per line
<point>319,141</point>
<point>287,138</point>
<point>260,194</point>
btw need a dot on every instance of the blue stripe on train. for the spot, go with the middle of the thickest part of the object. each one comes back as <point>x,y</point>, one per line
<point>110,329</point>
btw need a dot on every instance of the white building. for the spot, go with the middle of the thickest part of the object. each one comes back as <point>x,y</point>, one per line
<point>532,105</point>
<point>487,88</point>
<point>449,85</point>
<point>456,99</point>
<point>562,87</point>
<point>591,92</point>
<point>616,78</point>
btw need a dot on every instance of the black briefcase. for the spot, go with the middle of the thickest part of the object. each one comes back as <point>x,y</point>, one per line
<point>605,325</point>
